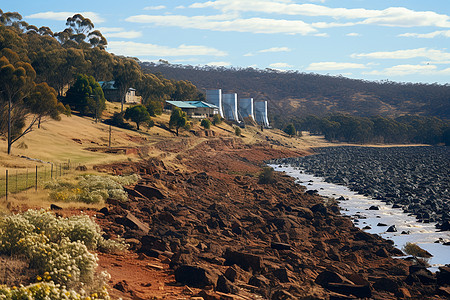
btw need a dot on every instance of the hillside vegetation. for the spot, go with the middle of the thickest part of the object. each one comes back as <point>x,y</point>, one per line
<point>294,94</point>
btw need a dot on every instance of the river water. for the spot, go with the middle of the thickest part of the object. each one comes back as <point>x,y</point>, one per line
<point>357,207</point>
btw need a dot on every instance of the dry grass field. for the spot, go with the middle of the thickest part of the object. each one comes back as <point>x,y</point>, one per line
<point>79,141</point>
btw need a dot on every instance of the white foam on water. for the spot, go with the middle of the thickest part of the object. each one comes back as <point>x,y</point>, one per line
<point>357,206</point>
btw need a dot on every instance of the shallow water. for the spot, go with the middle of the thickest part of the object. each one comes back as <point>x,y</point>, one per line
<point>357,207</point>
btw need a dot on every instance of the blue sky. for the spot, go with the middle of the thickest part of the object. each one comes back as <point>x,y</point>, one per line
<point>397,40</point>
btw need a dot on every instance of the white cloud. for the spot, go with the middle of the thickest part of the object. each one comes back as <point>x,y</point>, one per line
<point>322,34</point>
<point>431,54</point>
<point>353,34</point>
<point>254,25</point>
<point>444,33</point>
<point>154,7</point>
<point>142,49</point>
<point>392,16</point>
<point>119,32</point>
<point>325,66</point>
<point>219,63</point>
<point>402,70</point>
<point>270,50</point>
<point>124,34</point>
<point>63,15</point>
<point>442,62</point>
<point>275,49</point>
<point>280,65</point>
<point>403,17</point>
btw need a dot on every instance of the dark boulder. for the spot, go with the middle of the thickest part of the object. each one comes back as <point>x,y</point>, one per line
<point>392,228</point>
<point>443,275</point>
<point>244,260</point>
<point>226,286</point>
<point>280,246</point>
<point>194,276</point>
<point>149,192</point>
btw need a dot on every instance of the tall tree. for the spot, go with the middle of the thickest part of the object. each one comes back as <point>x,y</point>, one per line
<point>43,103</point>
<point>20,100</point>
<point>178,119</point>
<point>152,87</point>
<point>80,24</point>
<point>86,96</point>
<point>100,63</point>
<point>138,114</point>
<point>126,73</point>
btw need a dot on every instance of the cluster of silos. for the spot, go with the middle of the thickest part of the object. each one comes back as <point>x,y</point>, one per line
<point>233,110</point>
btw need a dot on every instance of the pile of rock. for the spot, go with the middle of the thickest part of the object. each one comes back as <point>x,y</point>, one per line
<point>229,235</point>
<point>416,179</point>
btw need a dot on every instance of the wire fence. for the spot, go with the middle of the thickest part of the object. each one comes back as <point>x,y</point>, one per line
<point>15,181</point>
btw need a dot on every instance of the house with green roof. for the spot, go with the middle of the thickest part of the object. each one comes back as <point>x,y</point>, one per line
<point>194,109</point>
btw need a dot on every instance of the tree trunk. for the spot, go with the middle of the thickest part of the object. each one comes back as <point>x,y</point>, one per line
<point>177,131</point>
<point>137,125</point>
<point>9,126</point>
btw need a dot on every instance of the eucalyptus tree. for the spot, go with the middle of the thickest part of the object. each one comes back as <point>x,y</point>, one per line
<point>126,73</point>
<point>20,99</point>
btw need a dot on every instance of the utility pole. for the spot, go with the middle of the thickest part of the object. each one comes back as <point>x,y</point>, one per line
<point>109,140</point>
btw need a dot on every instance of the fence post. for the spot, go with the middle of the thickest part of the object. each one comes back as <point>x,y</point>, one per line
<point>35,186</point>
<point>51,171</point>
<point>16,181</point>
<point>26,182</point>
<point>6,186</point>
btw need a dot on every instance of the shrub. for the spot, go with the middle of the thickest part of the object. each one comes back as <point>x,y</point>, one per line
<point>206,124</point>
<point>118,121</point>
<point>49,290</point>
<point>91,188</point>
<point>237,131</point>
<point>266,176</point>
<point>290,130</point>
<point>416,251</point>
<point>58,248</point>
<point>217,119</point>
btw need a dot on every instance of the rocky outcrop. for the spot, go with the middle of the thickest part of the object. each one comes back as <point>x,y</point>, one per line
<point>413,178</point>
<point>222,231</point>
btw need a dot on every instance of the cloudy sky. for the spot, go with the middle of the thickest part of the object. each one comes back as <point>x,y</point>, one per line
<point>398,40</point>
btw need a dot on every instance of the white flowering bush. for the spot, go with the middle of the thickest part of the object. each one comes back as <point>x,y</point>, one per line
<point>91,188</point>
<point>58,248</point>
<point>47,291</point>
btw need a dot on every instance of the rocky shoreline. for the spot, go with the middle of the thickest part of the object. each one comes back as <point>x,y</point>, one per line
<point>228,236</point>
<point>415,179</point>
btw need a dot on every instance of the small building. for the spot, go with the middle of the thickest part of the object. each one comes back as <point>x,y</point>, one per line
<point>112,93</point>
<point>194,109</point>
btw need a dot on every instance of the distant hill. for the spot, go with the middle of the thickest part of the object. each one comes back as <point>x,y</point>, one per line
<point>293,94</point>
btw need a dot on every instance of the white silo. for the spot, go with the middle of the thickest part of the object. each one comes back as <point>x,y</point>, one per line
<point>215,97</point>
<point>230,107</point>
<point>261,113</point>
<point>246,108</point>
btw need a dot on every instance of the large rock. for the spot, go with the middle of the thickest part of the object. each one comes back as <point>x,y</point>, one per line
<point>339,284</point>
<point>149,192</point>
<point>244,260</point>
<point>133,222</point>
<point>443,275</point>
<point>195,276</point>
<point>386,284</point>
<point>225,286</point>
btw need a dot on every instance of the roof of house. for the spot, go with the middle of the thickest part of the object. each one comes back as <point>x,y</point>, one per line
<point>108,85</point>
<point>191,104</point>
